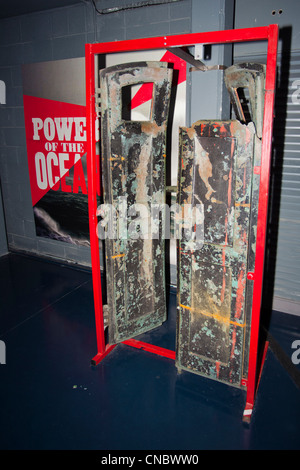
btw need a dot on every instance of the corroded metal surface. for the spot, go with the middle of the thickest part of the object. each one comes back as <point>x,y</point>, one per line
<point>216,166</point>
<point>219,163</point>
<point>133,160</point>
<point>252,77</point>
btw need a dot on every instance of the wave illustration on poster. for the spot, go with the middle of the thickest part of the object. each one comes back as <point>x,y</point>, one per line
<point>47,227</point>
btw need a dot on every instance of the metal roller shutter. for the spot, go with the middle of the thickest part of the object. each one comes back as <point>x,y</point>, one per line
<point>284,217</point>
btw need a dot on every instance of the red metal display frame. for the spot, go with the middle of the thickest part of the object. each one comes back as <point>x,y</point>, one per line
<point>266,33</point>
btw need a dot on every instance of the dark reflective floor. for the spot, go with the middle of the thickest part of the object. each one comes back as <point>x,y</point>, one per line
<point>52,398</point>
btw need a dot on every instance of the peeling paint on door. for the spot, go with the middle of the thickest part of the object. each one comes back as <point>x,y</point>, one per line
<point>217,169</point>
<point>133,161</point>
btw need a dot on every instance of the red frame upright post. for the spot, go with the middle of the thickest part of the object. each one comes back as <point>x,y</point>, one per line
<point>265,33</point>
<point>266,149</point>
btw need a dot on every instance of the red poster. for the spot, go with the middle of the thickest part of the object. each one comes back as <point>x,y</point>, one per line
<point>56,148</point>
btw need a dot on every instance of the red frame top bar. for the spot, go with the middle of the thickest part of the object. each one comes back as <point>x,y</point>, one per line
<point>161,42</point>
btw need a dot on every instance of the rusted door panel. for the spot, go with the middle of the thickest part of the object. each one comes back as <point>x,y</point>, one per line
<point>252,77</point>
<point>215,170</point>
<point>249,77</point>
<point>133,158</point>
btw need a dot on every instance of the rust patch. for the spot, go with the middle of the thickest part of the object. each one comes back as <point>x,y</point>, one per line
<point>152,128</point>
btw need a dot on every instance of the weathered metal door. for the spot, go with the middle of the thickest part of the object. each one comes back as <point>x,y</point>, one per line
<point>133,160</point>
<point>218,161</point>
